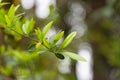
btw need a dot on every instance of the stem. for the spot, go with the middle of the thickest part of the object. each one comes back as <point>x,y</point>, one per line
<point>30,38</point>
<point>24,35</point>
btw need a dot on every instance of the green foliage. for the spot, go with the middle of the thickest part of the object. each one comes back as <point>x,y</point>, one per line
<point>7,20</point>
<point>6,70</point>
<point>57,37</point>
<point>10,16</point>
<point>2,19</point>
<point>2,3</point>
<point>19,27</point>
<point>43,41</point>
<point>28,26</point>
<point>68,40</point>
<point>46,28</point>
<point>73,56</point>
<point>13,23</point>
<point>39,34</point>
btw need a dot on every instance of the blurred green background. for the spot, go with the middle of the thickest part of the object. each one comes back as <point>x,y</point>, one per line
<point>97,23</point>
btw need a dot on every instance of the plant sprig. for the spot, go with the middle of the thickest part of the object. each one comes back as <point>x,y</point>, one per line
<point>42,44</point>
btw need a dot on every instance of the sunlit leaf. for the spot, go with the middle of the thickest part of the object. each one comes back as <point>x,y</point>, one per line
<point>73,56</point>
<point>7,20</point>
<point>39,34</point>
<point>31,25</point>
<point>46,43</point>
<point>38,45</point>
<point>28,26</point>
<point>68,40</point>
<point>2,17</point>
<point>11,12</point>
<point>47,27</point>
<point>25,27</point>
<point>18,27</point>
<point>2,4</point>
<point>16,8</point>
<point>57,37</point>
<point>18,15</point>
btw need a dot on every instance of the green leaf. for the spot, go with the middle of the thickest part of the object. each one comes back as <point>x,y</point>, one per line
<point>2,4</point>
<point>57,37</point>
<point>18,15</point>
<point>42,50</point>
<point>46,43</point>
<point>28,26</point>
<point>39,34</point>
<point>32,47</point>
<point>10,17</point>
<point>60,56</point>
<point>38,45</point>
<point>7,20</point>
<point>68,40</point>
<point>16,8</point>
<point>11,12</point>
<point>46,28</point>
<point>2,17</point>
<point>73,56</point>
<point>18,27</point>
<point>25,27</point>
<point>31,25</point>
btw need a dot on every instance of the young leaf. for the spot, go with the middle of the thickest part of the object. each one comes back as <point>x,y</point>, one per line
<point>68,40</point>
<point>18,15</point>
<point>16,8</point>
<point>38,45</point>
<point>31,25</point>
<point>11,12</point>
<point>60,56</point>
<point>25,27</point>
<point>2,4</point>
<point>18,27</point>
<point>28,26</point>
<point>73,56</point>
<point>46,28</point>
<point>2,17</point>
<point>57,37</point>
<point>39,34</point>
<point>7,20</point>
<point>46,43</point>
